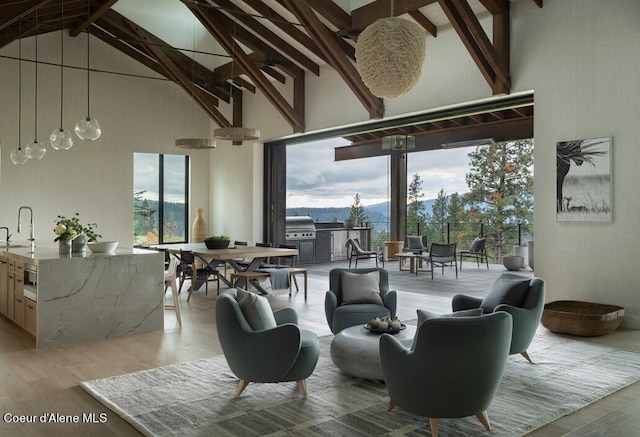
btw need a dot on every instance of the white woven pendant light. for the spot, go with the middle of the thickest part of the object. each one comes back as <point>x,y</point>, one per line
<point>389,56</point>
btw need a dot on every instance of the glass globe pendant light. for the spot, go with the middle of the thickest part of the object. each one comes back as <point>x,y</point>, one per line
<point>35,149</point>
<point>61,138</point>
<point>19,156</point>
<point>87,128</point>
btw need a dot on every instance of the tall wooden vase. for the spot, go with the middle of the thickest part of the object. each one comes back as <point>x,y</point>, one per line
<point>199,228</point>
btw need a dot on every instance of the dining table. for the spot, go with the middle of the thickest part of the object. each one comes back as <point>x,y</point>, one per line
<point>212,258</point>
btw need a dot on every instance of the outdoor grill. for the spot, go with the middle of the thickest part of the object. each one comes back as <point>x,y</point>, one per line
<point>301,232</point>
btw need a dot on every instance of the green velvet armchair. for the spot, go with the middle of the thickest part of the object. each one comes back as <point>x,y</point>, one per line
<point>340,315</point>
<point>284,353</point>
<point>526,316</point>
<point>453,369</point>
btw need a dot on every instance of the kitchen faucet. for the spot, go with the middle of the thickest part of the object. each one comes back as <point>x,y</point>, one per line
<point>8,234</point>
<point>32,238</point>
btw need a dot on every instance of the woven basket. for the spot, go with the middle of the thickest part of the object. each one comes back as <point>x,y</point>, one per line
<point>585,319</point>
<point>216,244</point>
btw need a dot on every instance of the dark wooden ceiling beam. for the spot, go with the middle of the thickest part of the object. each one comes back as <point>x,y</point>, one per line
<point>277,43</point>
<point>16,13</point>
<point>293,117</point>
<point>495,6</point>
<point>477,43</point>
<point>122,29</point>
<point>332,13</point>
<point>423,21</point>
<point>337,59</point>
<point>538,2</point>
<point>205,100</point>
<point>132,52</point>
<point>290,29</point>
<point>514,129</point>
<point>367,14</point>
<point>94,14</point>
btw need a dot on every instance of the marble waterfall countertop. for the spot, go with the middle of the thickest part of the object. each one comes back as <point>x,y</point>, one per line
<point>86,296</point>
<point>51,252</point>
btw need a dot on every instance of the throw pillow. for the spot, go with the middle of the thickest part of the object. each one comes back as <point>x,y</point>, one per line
<point>361,288</point>
<point>414,242</point>
<point>505,291</point>
<point>256,310</point>
<point>424,315</point>
<point>476,244</point>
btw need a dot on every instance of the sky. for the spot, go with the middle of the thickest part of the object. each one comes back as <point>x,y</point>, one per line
<point>145,176</point>
<point>314,179</point>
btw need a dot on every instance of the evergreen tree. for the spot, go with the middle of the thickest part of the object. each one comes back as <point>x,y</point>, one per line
<point>455,209</point>
<point>357,211</point>
<point>438,219</point>
<point>501,189</point>
<point>416,214</point>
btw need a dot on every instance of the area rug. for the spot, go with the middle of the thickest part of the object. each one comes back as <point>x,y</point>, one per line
<point>197,398</point>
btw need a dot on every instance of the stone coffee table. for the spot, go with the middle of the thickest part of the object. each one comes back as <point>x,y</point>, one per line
<point>356,350</point>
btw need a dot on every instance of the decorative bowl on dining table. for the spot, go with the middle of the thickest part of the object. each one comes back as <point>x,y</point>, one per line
<point>217,242</point>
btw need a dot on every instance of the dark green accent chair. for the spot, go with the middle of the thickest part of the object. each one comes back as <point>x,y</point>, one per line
<point>341,316</point>
<point>453,370</point>
<point>284,353</point>
<point>526,318</point>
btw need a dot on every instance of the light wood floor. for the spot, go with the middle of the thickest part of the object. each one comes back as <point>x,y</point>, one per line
<point>36,381</point>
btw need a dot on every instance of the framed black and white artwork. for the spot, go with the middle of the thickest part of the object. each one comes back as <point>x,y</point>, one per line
<point>583,177</point>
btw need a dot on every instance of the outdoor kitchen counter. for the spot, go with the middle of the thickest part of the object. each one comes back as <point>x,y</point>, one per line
<point>89,296</point>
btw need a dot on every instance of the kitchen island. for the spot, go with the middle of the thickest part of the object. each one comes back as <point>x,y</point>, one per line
<point>61,299</point>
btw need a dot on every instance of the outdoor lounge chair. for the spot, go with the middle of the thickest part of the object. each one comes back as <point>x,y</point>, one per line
<point>356,252</point>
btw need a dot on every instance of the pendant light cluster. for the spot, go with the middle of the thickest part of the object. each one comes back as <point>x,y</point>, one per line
<point>87,128</point>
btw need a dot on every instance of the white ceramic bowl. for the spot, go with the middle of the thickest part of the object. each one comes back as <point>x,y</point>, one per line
<point>102,246</point>
<point>513,262</point>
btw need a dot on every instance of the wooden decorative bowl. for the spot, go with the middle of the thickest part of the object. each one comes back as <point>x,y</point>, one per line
<point>585,319</point>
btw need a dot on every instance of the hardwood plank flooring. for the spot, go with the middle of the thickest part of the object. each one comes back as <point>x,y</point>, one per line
<point>36,381</point>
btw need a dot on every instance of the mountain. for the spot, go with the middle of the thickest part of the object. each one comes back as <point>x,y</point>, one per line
<point>377,213</point>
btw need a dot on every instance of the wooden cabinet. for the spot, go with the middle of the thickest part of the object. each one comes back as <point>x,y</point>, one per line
<point>11,285</point>
<point>4,297</point>
<point>31,315</point>
<point>19,308</point>
<point>13,303</point>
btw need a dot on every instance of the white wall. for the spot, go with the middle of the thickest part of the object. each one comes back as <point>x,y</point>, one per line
<point>582,58</point>
<point>93,178</point>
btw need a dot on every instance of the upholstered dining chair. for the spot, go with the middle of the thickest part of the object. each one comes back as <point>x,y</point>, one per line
<point>170,280</point>
<point>452,370</point>
<point>477,251</point>
<point>356,296</point>
<point>263,346</point>
<point>520,296</point>
<point>188,269</point>
<point>441,255</point>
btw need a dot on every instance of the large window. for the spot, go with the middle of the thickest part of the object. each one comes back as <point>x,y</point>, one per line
<point>160,193</point>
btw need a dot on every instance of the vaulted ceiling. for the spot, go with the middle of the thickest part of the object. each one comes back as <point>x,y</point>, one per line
<point>269,41</point>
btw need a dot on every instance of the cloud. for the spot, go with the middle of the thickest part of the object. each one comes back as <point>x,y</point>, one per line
<point>315,179</point>
<point>146,176</point>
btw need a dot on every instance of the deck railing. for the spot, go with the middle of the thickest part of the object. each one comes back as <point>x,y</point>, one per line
<point>500,242</point>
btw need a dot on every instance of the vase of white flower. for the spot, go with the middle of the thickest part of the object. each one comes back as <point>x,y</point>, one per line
<point>79,244</point>
<point>64,247</point>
